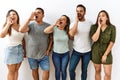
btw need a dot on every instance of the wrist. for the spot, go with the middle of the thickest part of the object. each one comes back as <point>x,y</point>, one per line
<point>105,54</point>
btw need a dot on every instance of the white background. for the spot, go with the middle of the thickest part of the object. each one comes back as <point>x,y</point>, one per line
<point>53,10</point>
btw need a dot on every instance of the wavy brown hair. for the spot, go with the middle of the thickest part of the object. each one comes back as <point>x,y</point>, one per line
<point>68,24</point>
<point>18,19</point>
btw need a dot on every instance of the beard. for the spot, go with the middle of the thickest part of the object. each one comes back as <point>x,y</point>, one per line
<point>80,16</point>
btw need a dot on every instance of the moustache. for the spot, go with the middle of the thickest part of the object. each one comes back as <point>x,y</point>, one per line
<point>79,15</point>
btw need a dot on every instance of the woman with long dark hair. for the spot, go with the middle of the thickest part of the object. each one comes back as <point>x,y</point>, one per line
<point>103,34</point>
<point>60,54</point>
<point>15,40</point>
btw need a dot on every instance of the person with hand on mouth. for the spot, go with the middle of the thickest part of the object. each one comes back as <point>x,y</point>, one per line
<point>60,56</point>
<point>103,34</point>
<point>79,32</point>
<point>39,44</point>
<point>15,44</point>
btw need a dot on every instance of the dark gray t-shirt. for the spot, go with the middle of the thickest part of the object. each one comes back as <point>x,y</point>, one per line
<point>37,40</point>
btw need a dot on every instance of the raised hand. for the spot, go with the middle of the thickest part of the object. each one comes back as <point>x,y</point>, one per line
<point>9,21</point>
<point>32,16</point>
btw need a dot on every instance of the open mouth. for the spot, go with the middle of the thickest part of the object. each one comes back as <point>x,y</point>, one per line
<point>100,21</point>
<point>79,15</point>
<point>36,16</point>
<point>60,22</point>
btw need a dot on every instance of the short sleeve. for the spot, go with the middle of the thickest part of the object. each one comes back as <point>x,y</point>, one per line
<point>71,25</point>
<point>92,30</point>
<point>113,33</point>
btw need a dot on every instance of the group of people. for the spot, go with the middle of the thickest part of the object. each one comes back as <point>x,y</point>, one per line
<point>90,42</point>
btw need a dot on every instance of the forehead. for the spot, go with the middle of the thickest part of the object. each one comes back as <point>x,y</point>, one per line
<point>12,12</point>
<point>102,13</point>
<point>38,11</point>
<point>79,9</point>
<point>63,17</point>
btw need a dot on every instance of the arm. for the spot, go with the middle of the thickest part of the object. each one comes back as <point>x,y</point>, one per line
<point>24,46</point>
<point>4,31</point>
<point>6,27</point>
<point>96,35</point>
<point>73,30</point>
<point>109,48</point>
<point>25,27</point>
<point>49,29</point>
<point>49,45</point>
<point>104,57</point>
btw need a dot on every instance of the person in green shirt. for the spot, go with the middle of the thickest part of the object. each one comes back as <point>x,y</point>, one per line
<point>103,35</point>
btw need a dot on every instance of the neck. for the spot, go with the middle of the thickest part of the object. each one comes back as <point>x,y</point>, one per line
<point>14,25</point>
<point>40,22</point>
<point>82,20</point>
<point>104,25</point>
<point>61,27</point>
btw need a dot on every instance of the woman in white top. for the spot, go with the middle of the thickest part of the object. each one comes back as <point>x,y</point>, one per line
<point>14,50</point>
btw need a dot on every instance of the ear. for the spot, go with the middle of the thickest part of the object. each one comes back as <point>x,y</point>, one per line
<point>43,15</point>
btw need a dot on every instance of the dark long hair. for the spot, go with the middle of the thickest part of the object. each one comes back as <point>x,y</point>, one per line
<point>18,19</point>
<point>108,20</point>
<point>68,24</point>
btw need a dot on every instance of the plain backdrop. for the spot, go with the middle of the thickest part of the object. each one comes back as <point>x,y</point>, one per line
<point>53,10</point>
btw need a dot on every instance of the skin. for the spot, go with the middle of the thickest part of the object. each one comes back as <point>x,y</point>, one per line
<point>11,21</point>
<point>60,23</point>
<point>80,13</point>
<point>102,18</point>
<point>25,28</point>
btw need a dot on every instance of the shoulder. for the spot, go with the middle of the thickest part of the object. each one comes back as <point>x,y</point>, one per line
<point>93,26</point>
<point>32,23</point>
<point>71,25</point>
<point>89,21</point>
<point>112,27</point>
<point>47,24</point>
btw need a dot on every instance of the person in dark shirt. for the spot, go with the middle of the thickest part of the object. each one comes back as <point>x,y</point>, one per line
<point>103,34</point>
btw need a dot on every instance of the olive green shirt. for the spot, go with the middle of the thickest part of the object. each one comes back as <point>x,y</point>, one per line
<point>99,47</point>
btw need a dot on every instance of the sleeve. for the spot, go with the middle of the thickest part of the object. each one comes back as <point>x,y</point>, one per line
<point>92,30</point>
<point>71,25</point>
<point>113,34</point>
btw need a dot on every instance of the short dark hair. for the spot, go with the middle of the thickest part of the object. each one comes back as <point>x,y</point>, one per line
<point>40,9</point>
<point>80,5</point>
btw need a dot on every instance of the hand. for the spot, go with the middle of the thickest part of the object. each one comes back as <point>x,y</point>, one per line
<point>99,22</point>
<point>47,52</point>
<point>104,57</point>
<point>32,16</point>
<point>77,19</point>
<point>57,23</point>
<point>9,21</point>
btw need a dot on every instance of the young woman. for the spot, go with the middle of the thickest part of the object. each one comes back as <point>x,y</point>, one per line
<point>103,35</point>
<point>14,50</point>
<point>60,54</point>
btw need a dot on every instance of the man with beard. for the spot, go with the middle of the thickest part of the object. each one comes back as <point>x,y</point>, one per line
<point>79,31</point>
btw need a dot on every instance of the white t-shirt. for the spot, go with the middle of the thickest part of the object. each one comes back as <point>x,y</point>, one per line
<point>82,42</point>
<point>15,38</point>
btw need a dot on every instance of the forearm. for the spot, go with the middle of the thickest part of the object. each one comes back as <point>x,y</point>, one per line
<point>4,30</point>
<point>96,35</point>
<point>109,48</point>
<point>50,43</point>
<point>49,29</point>
<point>24,46</point>
<point>25,27</point>
<point>73,30</point>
